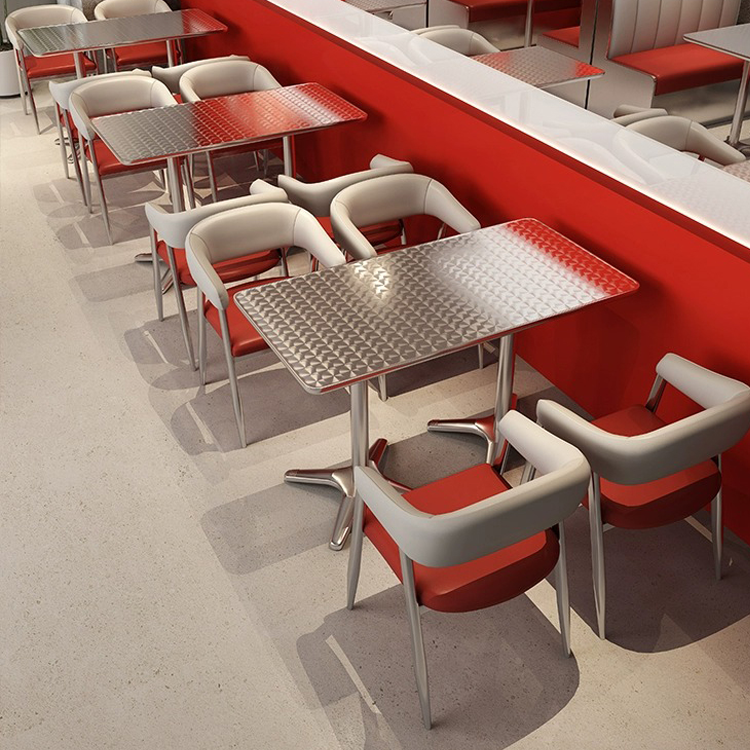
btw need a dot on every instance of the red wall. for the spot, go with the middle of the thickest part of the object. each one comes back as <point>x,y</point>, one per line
<point>694,283</point>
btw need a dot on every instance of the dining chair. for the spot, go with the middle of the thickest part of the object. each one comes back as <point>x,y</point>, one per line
<point>224,78</point>
<point>471,541</point>
<point>463,41</point>
<point>648,472</point>
<point>170,77</point>
<point>385,199</point>
<point>169,233</point>
<point>30,68</point>
<point>109,96</point>
<point>684,134</point>
<point>241,233</point>
<point>66,129</point>
<point>135,54</point>
<point>626,114</point>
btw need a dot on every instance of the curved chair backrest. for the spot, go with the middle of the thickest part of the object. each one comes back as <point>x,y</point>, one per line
<point>123,8</point>
<point>463,41</point>
<point>626,114</point>
<point>61,91</point>
<point>722,423</point>
<point>316,197</point>
<point>110,96</point>
<point>170,77</point>
<point>426,29</point>
<point>248,230</point>
<point>685,135</point>
<point>639,25</point>
<point>499,521</point>
<point>388,198</point>
<point>174,228</point>
<point>225,78</point>
<point>40,15</point>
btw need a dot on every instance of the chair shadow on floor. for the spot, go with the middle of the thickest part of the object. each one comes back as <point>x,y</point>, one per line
<point>496,675</point>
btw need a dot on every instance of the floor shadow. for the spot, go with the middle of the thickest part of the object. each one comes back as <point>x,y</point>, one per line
<point>115,282</point>
<point>496,675</point>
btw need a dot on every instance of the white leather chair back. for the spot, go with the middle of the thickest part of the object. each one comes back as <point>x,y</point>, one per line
<point>388,198</point>
<point>463,41</point>
<point>61,91</point>
<point>225,78</point>
<point>124,8</point>
<point>316,197</point>
<point>492,524</point>
<point>110,96</point>
<point>40,15</point>
<point>723,422</point>
<point>170,77</point>
<point>248,230</point>
<point>639,25</point>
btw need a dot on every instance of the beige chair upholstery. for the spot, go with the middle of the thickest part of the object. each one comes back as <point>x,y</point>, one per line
<point>124,8</point>
<point>223,78</point>
<point>463,41</point>
<point>170,77</point>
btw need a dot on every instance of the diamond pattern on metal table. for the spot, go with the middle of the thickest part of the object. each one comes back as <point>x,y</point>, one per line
<point>352,322</point>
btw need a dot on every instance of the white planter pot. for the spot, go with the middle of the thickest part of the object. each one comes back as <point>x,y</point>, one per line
<point>8,77</point>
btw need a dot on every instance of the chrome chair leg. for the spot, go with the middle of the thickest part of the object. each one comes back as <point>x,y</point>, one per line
<point>212,177</point>
<point>187,179</point>
<point>597,554</point>
<point>102,196</point>
<point>76,160</point>
<point>86,178</point>
<point>181,309</point>
<point>236,403</point>
<point>21,85</point>
<point>158,298</point>
<point>383,387</point>
<point>201,339</point>
<point>717,529</point>
<point>561,590</point>
<point>355,552</point>
<point>32,103</point>
<point>61,136</point>
<point>480,353</point>
<point>417,642</point>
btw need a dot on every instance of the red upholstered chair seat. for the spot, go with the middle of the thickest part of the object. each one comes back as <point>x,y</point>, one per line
<point>151,52</point>
<point>486,10</point>
<point>683,66</point>
<point>229,271</point>
<point>571,35</point>
<point>55,66</point>
<point>663,501</point>
<point>480,583</point>
<point>109,164</point>
<point>244,339</point>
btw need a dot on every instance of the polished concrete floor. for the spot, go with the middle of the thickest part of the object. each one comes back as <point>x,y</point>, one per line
<point>163,589</point>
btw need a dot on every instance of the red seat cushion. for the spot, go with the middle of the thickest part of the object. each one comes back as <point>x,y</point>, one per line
<point>229,271</point>
<point>479,583</point>
<point>486,10</point>
<point>378,234</point>
<point>683,66</point>
<point>663,501</point>
<point>134,54</point>
<point>109,164</point>
<point>244,339</point>
<point>571,35</point>
<point>53,66</point>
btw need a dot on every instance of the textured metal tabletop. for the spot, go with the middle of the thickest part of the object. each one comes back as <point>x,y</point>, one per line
<point>118,32</point>
<point>382,6</point>
<point>741,170</point>
<point>732,40</point>
<point>354,322</point>
<point>539,66</point>
<point>151,134</point>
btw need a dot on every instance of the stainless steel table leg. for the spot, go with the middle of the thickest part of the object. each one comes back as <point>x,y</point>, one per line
<point>290,167</point>
<point>739,111</point>
<point>486,427</point>
<point>529,32</point>
<point>170,53</point>
<point>80,70</point>
<point>342,479</point>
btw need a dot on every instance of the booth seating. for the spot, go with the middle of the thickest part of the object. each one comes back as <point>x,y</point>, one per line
<point>108,96</point>
<point>464,12</point>
<point>169,233</point>
<point>470,541</point>
<point>223,78</point>
<point>649,473</point>
<point>135,54</point>
<point>463,41</point>
<point>236,234</point>
<point>30,68</point>
<point>60,92</point>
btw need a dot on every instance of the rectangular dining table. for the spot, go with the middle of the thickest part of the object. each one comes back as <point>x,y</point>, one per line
<point>344,326</point>
<point>78,38</point>
<point>170,133</point>
<point>734,41</point>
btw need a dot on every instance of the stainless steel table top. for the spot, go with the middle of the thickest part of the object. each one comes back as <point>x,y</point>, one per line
<point>354,322</point>
<point>732,40</point>
<point>741,170</point>
<point>539,66</point>
<point>118,32</point>
<point>383,6</point>
<point>153,134</point>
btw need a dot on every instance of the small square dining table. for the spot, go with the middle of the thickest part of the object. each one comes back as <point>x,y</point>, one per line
<point>343,326</point>
<point>78,38</point>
